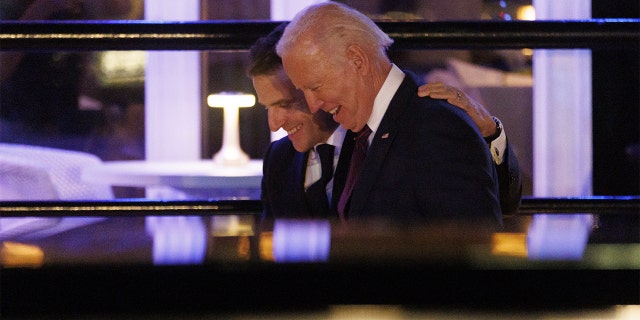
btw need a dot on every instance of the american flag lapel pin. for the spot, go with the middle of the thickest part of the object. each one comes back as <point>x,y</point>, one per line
<point>384,136</point>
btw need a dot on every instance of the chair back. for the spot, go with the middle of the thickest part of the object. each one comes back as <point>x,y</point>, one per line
<point>22,179</point>
<point>64,168</point>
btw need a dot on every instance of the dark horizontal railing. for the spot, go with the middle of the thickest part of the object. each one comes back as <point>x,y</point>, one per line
<point>129,207</point>
<point>594,204</point>
<point>629,205</point>
<point>239,35</point>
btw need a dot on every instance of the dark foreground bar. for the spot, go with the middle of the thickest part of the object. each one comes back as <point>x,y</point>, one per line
<point>217,289</point>
<point>218,259</point>
<point>606,34</point>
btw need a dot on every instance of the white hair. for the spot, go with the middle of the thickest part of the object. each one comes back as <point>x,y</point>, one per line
<point>333,22</point>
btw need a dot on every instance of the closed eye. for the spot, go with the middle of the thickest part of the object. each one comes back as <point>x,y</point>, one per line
<point>314,87</point>
<point>284,104</point>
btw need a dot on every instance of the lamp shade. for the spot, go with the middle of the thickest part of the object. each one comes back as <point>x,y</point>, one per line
<point>231,154</point>
<point>231,99</point>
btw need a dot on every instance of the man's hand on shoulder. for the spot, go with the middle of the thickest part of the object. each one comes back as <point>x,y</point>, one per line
<point>480,116</point>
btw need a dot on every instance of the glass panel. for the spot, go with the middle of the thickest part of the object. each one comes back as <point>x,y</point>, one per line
<point>221,236</point>
<point>89,102</point>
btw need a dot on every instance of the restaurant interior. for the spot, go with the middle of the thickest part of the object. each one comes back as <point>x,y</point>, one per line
<point>131,148</point>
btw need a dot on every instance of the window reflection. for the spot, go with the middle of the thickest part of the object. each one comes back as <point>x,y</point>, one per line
<point>558,237</point>
<point>177,240</point>
<point>301,240</point>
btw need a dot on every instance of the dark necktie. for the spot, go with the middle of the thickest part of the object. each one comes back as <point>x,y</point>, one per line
<point>355,165</point>
<point>316,194</point>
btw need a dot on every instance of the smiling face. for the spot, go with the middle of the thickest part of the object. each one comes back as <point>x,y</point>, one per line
<point>336,83</point>
<point>286,109</point>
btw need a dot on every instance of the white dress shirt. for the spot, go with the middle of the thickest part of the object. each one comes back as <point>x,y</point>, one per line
<point>314,167</point>
<point>383,99</point>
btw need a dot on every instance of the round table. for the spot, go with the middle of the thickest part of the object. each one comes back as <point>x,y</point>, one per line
<point>192,179</point>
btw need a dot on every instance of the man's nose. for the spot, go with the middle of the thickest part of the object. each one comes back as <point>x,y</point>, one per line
<point>277,117</point>
<point>313,102</point>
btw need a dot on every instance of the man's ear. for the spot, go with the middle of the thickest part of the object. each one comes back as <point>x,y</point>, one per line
<point>358,59</point>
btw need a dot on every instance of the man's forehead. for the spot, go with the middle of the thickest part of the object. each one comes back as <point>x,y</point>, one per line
<point>304,71</point>
<point>306,46</point>
<point>276,98</point>
<point>280,102</point>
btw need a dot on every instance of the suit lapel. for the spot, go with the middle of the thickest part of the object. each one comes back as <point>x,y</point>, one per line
<point>300,168</point>
<point>380,144</point>
<point>340,174</point>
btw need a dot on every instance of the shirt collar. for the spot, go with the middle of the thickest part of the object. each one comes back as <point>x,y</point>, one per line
<point>335,139</point>
<point>337,136</point>
<point>386,93</point>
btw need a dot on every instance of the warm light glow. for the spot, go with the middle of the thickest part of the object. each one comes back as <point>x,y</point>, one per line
<point>121,67</point>
<point>266,246</point>
<point>14,254</point>
<point>509,244</point>
<point>526,13</point>
<point>231,99</point>
<point>231,154</point>
<point>231,226</point>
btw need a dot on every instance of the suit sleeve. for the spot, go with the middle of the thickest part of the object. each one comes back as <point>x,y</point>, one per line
<point>457,171</point>
<point>510,182</point>
<point>264,195</point>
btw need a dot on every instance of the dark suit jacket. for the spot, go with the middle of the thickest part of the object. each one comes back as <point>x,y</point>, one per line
<point>510,182</point>
<point>284,168</point>
<point>284,172</point>
<point>427,162</point>
<point>283,181</point>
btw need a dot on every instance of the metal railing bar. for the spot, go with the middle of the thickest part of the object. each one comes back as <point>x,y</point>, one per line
<point>605,34</point>
<point>627,205</point>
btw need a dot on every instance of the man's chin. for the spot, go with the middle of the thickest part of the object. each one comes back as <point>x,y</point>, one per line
<point>301,148</point>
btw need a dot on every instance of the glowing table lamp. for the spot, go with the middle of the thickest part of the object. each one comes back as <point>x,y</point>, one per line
<point>231,153</point>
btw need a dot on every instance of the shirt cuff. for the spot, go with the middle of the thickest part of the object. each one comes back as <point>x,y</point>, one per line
<point>497,148</point>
